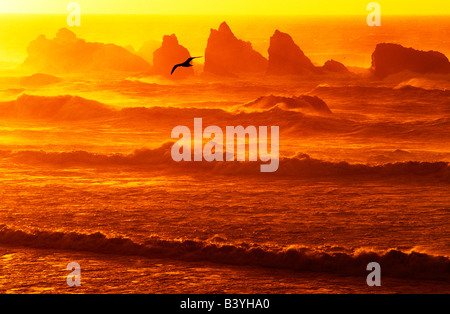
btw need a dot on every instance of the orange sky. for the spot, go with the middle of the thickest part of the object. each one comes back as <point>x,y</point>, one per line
<point>270,7</point>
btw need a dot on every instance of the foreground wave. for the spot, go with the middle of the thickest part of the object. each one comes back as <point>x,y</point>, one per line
<point>394,263</point>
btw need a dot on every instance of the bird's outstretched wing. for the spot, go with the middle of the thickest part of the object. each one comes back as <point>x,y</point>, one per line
<point>191,58</point>
<point>184,64</point>
<point>174,68</point>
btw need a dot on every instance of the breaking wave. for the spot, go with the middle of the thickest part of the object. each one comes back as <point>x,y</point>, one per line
<point>394,263</point>
<point>55,108</point>
<point>303,102</point>
<point>404,89</point>
<point>299,166</point>
<point>297,116</point>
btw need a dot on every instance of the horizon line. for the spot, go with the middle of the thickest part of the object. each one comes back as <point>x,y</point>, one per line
<point>230,14</point>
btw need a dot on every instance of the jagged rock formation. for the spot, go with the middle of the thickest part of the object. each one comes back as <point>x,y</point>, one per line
<point>227,55</point>
<point>286,58</point>
<point>169,54</point>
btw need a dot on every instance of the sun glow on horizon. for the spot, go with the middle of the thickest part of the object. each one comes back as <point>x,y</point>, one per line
<point>248,7</point>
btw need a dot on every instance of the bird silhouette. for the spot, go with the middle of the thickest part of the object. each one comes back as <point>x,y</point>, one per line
<point>185,64</point>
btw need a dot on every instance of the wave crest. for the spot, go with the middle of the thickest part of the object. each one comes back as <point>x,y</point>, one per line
<point>310,104</point>
<point>55,108</point>
<point>299,166</point>
<point>394,263</point>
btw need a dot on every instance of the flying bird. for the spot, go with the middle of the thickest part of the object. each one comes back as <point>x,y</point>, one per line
<point>185,64</point>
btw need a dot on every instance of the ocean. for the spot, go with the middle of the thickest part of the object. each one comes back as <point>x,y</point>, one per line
<point>86,173</point>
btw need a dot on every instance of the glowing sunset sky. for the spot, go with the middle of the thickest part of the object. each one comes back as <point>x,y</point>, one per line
<point>269,7</point>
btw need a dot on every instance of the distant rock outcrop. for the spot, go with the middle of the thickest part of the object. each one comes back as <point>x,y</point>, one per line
<point>286,58</point>
<point>227,55</point>
<point>389,59</point>
<point>68,54</point>
<point>169,54</point>
<point>334,66</point>
<point>39,79</point>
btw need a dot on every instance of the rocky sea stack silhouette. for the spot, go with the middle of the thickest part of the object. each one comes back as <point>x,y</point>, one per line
<point>68,54</point>
<point>390,58</point>
<point>169,54</point>
<point>286,58</point>
<point>227,55</point>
